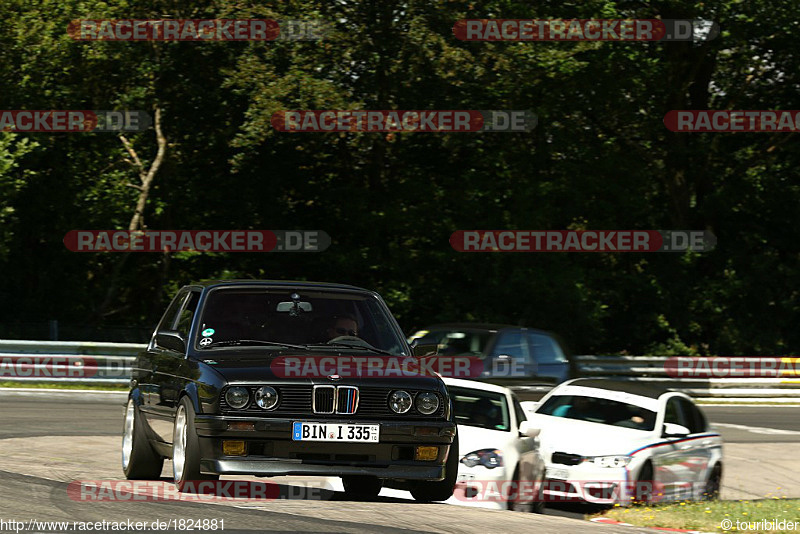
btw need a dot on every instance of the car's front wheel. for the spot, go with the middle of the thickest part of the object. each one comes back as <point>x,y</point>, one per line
<point>139,460</point>
<point>518,502</point>
<point>644,489</point>
<point>186,450</point>
<point>441,490</point>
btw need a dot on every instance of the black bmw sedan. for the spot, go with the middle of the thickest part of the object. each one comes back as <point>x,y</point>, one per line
<point>246,377</point>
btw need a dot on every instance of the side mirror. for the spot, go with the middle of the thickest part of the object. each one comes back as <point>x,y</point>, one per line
<point>671,430</point>
<point>428,349</point>
<point>171,339</point>
<point>526,428</point>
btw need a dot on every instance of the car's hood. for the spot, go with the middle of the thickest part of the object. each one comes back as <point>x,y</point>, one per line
<point>471,438</point>
<point>345,368</point>
<point>585,438</point>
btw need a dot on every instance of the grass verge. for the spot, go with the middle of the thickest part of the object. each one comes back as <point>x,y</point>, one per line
<point>709,516</point>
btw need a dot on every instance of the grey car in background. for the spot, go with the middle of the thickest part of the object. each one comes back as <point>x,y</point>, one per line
<point>529,361</point>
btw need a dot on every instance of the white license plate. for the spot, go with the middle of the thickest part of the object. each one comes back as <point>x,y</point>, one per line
<point>302,431</point>
<point>557,474</point>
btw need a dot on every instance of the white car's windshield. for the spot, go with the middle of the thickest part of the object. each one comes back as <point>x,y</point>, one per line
<point>596,410</point>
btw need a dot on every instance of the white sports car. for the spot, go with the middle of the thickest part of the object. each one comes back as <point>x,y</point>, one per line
<point>500,465</point>
<point>610,442</point>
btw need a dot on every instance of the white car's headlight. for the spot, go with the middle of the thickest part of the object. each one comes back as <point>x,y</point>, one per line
<point>488,458</point>
<point>611,461</point>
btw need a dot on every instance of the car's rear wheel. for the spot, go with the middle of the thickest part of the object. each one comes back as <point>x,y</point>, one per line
<point>713,484</point>
<point>362,487</point>
<point>186,450</point>
<point>441,490</point>
<point>139,460</point>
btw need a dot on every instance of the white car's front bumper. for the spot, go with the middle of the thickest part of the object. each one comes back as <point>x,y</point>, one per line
<point>588,482</point>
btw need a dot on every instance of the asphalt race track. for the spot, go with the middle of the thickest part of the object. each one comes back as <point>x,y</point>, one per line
<point>49,440</point>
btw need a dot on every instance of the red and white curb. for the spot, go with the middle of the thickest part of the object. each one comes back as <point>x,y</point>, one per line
<point>608,521</point>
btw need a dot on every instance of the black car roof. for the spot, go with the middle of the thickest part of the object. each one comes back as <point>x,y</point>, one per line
<point>276,283</point>
<point>634,388</point>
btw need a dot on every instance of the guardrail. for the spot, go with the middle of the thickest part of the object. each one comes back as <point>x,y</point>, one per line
<point>67,361</point>
<point>110,363</point>
<point>652,369</point>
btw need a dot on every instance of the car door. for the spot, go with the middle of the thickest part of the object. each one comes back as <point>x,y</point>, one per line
<point>672,461</point>
<point>700,450</point>
<point>530,465</point>
<point>148,363</point>
<point>169,373</point>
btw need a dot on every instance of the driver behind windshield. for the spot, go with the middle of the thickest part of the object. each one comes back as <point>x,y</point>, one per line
<point>342,325</point>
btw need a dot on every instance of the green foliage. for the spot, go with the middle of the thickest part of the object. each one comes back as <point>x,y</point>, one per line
<point>600,158</point>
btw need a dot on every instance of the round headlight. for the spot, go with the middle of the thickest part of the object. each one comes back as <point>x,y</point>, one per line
<point>400,401</point>
<point>237,397</point>
<point>266,397</point>
<point>427,403</point>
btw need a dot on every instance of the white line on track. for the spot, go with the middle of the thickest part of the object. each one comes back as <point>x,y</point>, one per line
<point>759,429</point>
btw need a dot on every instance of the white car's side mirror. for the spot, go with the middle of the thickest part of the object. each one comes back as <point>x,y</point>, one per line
<point>671,430</point>
<point>527,429</point>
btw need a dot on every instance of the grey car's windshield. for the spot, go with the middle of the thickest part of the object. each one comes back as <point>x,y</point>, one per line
<point>295,318</point>
<point>597,410</point>
<point>457,342</point>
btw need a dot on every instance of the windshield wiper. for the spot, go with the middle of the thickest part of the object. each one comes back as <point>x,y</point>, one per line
<point>352,346</point>
<point>257,342</point>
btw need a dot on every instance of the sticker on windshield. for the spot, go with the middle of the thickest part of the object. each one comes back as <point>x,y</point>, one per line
<point>208,332</point>
<point>206,341</point>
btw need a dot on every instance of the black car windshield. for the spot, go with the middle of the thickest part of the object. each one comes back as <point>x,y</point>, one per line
<point>484,409</point>
<point>597,410</point>
<point>295,318</point>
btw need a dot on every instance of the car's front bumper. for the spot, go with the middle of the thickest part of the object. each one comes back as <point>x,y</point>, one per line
<point>587,483</point>
<point>484,488</point>
<point>270,450</point>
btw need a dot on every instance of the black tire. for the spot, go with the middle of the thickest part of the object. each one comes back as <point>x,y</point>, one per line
<point>513,503</point>
<point>535,506</point>
<point>643,492</point>
<point>538,506</point>
<point>186,450</point>
<point>362,487</point>
<point>713,484</point>
<point>432,491</point>
<point>139,460</point>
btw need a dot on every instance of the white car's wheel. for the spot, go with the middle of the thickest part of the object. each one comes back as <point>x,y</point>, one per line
<point>713,484</point>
